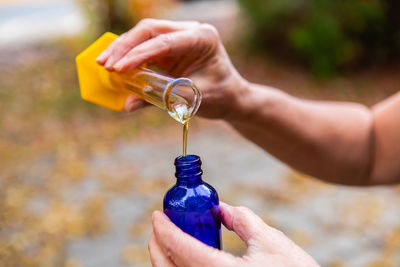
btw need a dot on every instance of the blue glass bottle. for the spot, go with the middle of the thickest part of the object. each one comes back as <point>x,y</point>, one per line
<point>192,204</point>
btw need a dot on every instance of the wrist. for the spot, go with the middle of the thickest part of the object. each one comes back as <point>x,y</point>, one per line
<point>253,103</point>
<point>241,103</point>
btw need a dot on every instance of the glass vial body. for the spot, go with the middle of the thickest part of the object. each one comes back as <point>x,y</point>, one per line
<point>192,204</point>
<point>180,97</point>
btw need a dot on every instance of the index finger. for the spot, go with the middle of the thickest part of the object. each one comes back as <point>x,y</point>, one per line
<point>169,44</point>
<point>144,30</point>
<point>201,42</point>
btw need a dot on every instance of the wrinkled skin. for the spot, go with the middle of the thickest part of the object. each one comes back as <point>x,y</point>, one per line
<point>266,246</point>
<point>181,49</point>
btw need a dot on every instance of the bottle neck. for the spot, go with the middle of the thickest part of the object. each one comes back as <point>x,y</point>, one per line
<point>188,170</point>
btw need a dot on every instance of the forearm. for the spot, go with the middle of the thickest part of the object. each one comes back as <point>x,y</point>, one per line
<point>332,141</point>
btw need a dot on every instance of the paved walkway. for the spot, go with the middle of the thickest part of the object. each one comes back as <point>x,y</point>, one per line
<point>30,22</point>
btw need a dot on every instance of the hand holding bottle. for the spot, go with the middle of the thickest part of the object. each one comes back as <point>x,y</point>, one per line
<point>267,246</point>
<point>182,49</point>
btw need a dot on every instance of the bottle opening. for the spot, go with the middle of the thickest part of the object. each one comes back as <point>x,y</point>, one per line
<point>188,159</point>
<point>182,99</point>
<point>188,166</point>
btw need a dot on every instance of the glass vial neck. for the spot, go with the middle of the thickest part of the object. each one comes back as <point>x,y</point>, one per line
<point>188,169</point>
<point>182,99</point>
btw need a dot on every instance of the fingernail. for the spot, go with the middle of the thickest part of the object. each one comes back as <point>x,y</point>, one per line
<point>109,62</point>
<point>120,64</point>
<point>136,105</point>
<point>163,216</point>
<point>101,57</point>
<point>153,216</point>
<point>158,215</point>
<point>129,108</point>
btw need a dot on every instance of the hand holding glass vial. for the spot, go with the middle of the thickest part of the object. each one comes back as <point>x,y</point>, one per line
<point>179,97</point>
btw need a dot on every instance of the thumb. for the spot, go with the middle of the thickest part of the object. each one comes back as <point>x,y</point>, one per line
<point>185,250</point>
<point>133,103</point>
<point>244,222</point>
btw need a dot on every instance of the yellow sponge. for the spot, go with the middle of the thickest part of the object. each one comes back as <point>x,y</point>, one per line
<point>94,78</point>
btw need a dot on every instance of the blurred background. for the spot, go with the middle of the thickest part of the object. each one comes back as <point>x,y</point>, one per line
<point>78,182</point>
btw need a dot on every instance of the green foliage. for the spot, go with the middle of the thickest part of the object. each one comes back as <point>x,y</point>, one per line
<point>107,15</point>
<point>325,35</point>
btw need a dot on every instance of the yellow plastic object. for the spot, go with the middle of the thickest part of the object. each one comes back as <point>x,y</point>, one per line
<point>94,78</point>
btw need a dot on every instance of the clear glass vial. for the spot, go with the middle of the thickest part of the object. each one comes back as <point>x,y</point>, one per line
<point>178,96</point>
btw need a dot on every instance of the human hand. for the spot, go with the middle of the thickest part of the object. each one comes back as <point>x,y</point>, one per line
<point>181,49</point>
<point>266,246</point>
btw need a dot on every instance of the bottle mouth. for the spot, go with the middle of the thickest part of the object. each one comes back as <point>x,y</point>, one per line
<point>188,166</point>
<point>187,160</point>
<point>182,99</point>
